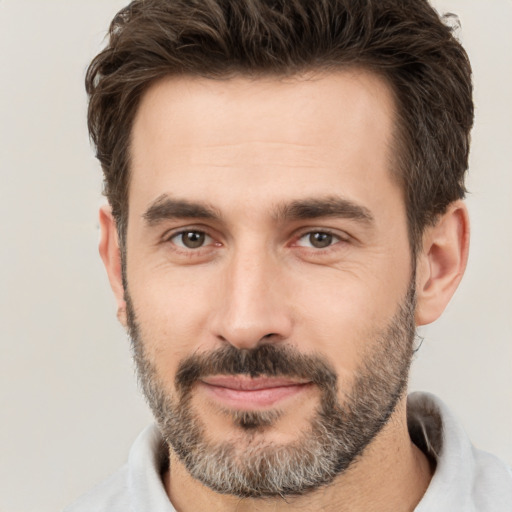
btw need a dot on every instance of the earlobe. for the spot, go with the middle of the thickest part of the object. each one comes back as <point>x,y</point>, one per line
<point>441,262</point>
<point>111,255</point>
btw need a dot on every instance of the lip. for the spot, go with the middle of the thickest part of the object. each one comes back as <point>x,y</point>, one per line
<point>243,392</point>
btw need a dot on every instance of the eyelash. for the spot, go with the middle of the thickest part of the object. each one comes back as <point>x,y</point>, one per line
<point>189,251</point>
<point>198,251</point>
<point>339,238</point>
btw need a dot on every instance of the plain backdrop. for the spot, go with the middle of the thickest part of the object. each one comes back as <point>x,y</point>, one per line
<point>69,405</point>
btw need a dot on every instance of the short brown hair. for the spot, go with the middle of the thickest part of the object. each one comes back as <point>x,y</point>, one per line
<point>405,41</point>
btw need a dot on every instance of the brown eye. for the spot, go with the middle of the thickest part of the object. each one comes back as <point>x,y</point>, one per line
<point>320,240</point>
<point>191,239</point>
<point>317,240</point>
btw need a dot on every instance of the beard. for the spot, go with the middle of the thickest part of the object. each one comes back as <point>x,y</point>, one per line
<point>336,436</point>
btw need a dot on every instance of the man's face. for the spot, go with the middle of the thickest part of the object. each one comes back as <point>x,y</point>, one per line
<point>268,271</point>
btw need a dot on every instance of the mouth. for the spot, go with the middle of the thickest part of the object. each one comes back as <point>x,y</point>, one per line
<point>247,393</point>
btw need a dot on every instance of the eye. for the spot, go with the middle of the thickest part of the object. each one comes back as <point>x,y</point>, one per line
<point>191,239</point>
<point>318,239</point>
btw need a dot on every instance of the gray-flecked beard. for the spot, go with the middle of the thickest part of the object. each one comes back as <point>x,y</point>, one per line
<point>337,434</point>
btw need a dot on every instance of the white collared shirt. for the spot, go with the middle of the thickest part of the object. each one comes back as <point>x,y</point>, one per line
<point>465,479</point>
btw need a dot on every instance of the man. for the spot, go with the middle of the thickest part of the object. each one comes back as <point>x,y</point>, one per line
<point>285,184</point>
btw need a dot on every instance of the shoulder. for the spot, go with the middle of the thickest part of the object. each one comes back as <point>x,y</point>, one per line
<point>111,495</point>
<point>466,479</point>
<point>137,486</point>
<point>492,484</point>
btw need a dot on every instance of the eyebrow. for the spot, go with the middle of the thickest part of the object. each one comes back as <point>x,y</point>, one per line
<point>165,208</point>
<point>331,206</point>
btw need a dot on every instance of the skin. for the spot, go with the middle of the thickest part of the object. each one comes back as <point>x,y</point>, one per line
<point>257,279</point>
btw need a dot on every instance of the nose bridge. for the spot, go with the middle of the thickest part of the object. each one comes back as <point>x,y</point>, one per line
<point>253,310</point>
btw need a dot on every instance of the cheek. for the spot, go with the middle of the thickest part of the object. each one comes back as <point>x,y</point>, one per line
<point>172,316</point>
<point>341,317</point>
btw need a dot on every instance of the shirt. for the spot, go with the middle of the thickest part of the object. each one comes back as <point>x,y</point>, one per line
<point>465,479</point>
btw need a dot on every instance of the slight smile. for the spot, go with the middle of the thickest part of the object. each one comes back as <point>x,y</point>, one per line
<point>243,392</point>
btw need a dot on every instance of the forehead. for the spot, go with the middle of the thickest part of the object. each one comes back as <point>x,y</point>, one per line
<point>261,137</point>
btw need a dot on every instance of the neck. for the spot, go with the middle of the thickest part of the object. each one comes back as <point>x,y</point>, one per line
<point>391,475</point>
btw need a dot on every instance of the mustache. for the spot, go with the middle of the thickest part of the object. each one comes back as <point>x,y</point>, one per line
<point>269,360</point>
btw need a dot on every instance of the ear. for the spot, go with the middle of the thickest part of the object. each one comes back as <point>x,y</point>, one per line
<point>111,256</point>
<point>441,262</point>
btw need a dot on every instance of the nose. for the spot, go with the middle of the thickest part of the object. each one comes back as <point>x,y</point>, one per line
<point>253,308</point>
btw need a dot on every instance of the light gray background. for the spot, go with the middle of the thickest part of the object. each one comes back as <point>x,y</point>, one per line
<point>69,407</point>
